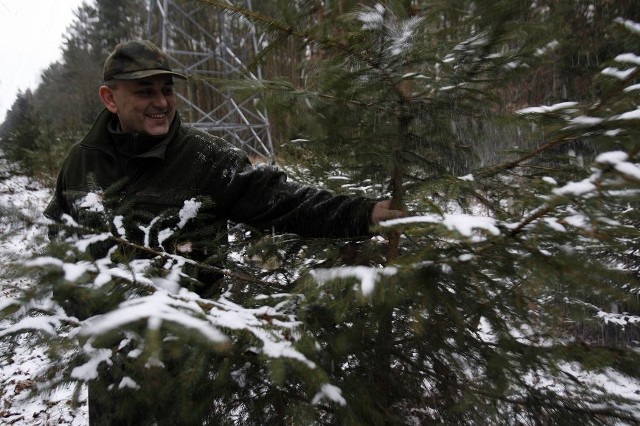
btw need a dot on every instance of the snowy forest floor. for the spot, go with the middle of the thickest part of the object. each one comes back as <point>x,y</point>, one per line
<point>20,373</point>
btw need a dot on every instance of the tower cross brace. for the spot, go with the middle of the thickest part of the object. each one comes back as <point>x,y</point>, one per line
<point>211,47</point>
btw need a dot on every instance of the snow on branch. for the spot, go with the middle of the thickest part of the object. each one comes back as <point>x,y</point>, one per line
<point>619,74</point>
<point>72,271</point>
<point>619,160</point>
<point>155,308</point>
<point>188,211</point>
<point>619,319</point>
<point>546,109</point>
<point>103,269</point>
<point>263,323</point>
<point>630,115</point>
<point>368,277</point>
<point>397,33</point>
<point>330,392</point>
<point>630,25</point>
<point>41,315</point>
<point>372,18</point>
<point>616,159</point>
<point>46,324</point>
<point>89,370</point>
<point>465,224</point>
<point>92,202</point>
<point>629,58</point>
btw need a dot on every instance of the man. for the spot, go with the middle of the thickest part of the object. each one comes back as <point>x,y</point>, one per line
<point>139,142</point>
<point>140,157</point>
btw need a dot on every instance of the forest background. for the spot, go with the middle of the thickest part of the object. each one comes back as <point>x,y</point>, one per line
<point>508,130</point>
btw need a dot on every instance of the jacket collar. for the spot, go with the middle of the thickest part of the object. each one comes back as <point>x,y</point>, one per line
<point>102,136</point>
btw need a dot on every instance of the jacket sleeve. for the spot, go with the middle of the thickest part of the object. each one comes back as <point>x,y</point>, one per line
<point>263,197</point>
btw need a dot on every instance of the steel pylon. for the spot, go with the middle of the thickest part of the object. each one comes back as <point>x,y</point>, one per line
<point>212,47</point>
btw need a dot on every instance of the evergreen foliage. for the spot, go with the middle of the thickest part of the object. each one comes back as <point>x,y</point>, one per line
<point>490,303</point>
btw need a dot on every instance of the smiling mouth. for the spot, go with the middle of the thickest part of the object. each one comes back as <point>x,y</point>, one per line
<point>157,116</point>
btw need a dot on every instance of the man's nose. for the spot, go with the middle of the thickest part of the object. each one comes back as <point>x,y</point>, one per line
<point>160,100</point>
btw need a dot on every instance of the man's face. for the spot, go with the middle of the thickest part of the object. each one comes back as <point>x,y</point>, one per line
<point>143,105</point>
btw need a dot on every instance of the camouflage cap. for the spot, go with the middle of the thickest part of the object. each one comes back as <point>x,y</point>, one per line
<point>131,60</point>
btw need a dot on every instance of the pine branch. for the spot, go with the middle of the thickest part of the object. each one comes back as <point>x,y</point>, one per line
<point>594,412</point>
<point>510,165</point>
<point>163,254</point>
<point>283,31</point>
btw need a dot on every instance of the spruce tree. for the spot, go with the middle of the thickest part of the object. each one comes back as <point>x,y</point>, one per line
<point>489,303</point>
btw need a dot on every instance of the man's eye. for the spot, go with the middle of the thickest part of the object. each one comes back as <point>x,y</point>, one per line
<point>167,91</point>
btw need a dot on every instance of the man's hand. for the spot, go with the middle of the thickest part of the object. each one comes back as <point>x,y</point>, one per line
<point>382,211</point>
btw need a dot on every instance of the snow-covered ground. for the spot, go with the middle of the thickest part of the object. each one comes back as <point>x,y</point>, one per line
<point>19,374</point>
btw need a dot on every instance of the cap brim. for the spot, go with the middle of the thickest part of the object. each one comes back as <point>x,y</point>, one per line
<point>147,73</point>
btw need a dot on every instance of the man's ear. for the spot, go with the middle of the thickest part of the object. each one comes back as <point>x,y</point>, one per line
<point>107,98</point>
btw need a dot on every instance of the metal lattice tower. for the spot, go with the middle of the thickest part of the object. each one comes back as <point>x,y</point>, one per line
<point>212,47</point>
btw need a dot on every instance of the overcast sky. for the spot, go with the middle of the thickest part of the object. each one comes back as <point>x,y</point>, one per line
<point>31,34</point>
